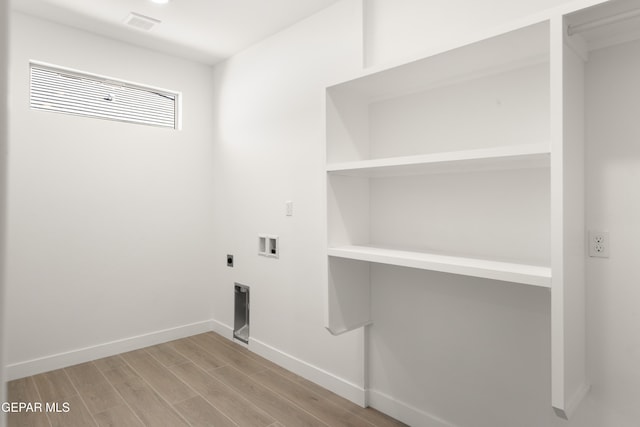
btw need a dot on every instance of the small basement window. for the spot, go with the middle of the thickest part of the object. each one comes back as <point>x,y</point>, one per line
<point>66,91</point>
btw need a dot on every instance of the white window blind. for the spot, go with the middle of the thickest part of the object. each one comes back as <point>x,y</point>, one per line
<point>70,92</point>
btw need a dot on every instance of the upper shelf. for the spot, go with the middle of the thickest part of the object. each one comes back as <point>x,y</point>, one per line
<point>489,56</point>
<point>489,269</point>
<point>508,157</point>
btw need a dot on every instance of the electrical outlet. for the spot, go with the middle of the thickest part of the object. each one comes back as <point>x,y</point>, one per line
<point>599,244</point>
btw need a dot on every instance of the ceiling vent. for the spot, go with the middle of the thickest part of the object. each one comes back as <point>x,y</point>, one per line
<point>141,22</point>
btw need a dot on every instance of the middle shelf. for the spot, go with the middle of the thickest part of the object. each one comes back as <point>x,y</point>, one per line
<point>476,267</point>
<point>487,204</point>
<point>495,158</point>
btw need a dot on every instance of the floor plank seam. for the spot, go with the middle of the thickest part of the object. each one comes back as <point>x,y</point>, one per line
<point>311,393</point>
<point>230,344</point>
<point>179,379</point>
<point>192,388</point>
<point>121,396</point>
<point>158,393</point>
<point>40,397</point>
<point>293,404</point>
<point>198,394</point>
<point>193,361</point>
<point>329,401</point>
<point>208,352</point>
<point>80,396</point>
<point>188,360</point>
<point>240,395</point>
<point>156,359</point>
<point>258,359</point>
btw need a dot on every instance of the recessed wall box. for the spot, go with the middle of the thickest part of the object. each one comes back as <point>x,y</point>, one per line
<point>241,313</point>
<point>268,246</point>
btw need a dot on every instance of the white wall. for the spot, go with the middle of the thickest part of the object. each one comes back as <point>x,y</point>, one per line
<point>269,149</point>
<point>613,204</point>
<point>110,225</point>
<point>473,352</point>
<point>396,29</point>
<point>4,24</point>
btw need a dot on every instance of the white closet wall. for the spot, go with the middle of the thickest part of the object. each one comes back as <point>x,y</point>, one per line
<point>612,101</point>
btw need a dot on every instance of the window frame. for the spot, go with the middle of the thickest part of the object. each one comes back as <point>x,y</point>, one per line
<point>177,113</point>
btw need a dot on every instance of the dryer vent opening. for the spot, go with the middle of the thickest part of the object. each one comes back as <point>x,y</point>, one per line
<point>241,317</point>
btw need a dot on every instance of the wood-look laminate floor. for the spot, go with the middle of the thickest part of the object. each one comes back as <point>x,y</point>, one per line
<point>203,380</point>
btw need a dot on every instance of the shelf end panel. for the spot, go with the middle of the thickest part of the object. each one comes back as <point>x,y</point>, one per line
<point>349,295</point>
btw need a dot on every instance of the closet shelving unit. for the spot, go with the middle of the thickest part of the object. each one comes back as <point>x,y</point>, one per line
<point>467,119</point>
<point>469,161</point>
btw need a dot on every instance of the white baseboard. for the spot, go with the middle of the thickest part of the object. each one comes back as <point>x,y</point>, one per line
<point>312,373</point>
<point>404,412</point>
<point>222,329</point>
<point>73,357</point>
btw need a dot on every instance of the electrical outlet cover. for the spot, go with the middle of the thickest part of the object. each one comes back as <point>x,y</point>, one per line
<point>599,244</point>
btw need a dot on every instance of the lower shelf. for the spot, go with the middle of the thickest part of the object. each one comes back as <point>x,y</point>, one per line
<point>488,269</point>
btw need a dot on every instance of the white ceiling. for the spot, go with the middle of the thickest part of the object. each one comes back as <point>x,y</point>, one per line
<point>202,30</point>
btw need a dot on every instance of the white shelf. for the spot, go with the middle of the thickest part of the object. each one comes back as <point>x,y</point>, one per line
<point>527,45</point>
<point>489,269</point>
<point>507,157</point>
